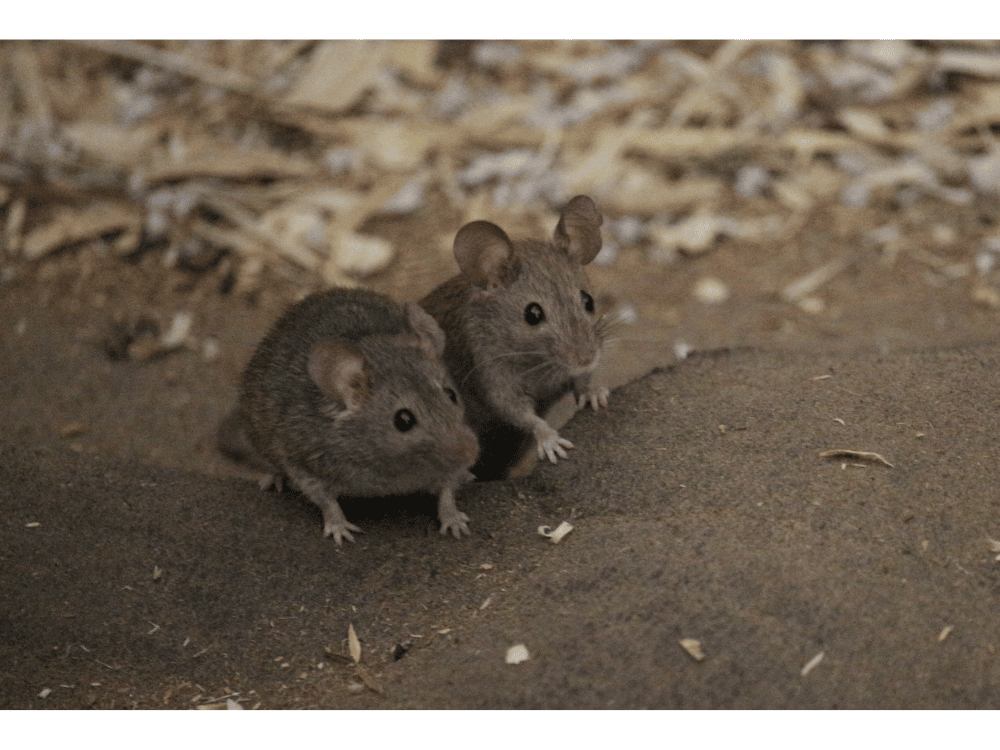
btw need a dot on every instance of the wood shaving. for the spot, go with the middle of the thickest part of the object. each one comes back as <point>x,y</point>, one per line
<point>859,455</point>
<point>994,547</point>
<point>557,535</point>
<point>812,663</point>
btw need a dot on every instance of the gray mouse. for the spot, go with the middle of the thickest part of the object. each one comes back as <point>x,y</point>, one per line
<point>521,332</point>
<point>347,395</point>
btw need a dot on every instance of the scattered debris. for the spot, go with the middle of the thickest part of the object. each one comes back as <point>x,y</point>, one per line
<point>693,647</point>
<point>560,531</point>
<point>72,429</point>
<point>994,547</point>
<point>711,291</point>
<point>32,525</point>
<point>812,663</point>
<point>858,455</point>
<point>944,632</point>
<point>801,288</point>
<point>517,654</point>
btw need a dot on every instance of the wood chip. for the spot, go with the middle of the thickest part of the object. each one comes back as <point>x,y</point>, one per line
<point>859,455</point>
<point>178,63</point>
<point>693,647</point>
<point>209,157</point>
<point>72,225</point>
<point>803,286</point>
<point>517,654</point>
<point>337,74</point>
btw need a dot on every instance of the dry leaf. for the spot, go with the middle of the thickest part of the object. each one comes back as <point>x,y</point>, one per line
<point>369,679</point>
<point>353,644</point>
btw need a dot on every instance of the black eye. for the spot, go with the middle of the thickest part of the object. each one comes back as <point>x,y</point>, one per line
<point>588,301</point>
<point>404,420</point>
<point>451,394</point>
<point>534,314</point>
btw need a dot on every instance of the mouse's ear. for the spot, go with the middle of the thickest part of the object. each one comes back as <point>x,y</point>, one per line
<point>482,250</point>
<point>578,233</point>
<point>341,371</point>
<point>428,331</point>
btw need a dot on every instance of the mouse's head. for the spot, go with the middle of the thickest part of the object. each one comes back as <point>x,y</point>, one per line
<point>531,300</point>
<point>394,412</point>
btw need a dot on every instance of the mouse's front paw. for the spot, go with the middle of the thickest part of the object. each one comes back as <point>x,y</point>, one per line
<point>340,530</point>
<point>457,523</point>
<point>596,396</point>
<point>550,445</point>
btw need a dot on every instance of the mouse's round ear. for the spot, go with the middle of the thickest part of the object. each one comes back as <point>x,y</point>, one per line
<point>341,372</point>
<point>578,233</point>
<point>482,250</point>
<point>428,331</point>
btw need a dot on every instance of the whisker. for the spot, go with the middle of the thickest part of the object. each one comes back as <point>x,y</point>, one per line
<point>500,356</point>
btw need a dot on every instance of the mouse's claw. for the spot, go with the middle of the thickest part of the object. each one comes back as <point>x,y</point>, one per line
<point>550,445</point>
<point>340,531</point>
<point>596,397</point>
<point>457,524</point>
<point>452,519</point>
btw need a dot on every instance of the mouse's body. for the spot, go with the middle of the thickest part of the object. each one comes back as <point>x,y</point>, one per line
<point>347,396</point>
<point>521,332</point>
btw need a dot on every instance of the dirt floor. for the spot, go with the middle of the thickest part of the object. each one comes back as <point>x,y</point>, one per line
<point>726,551</point>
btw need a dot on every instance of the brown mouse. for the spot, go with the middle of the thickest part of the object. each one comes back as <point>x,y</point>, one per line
<point>347,396</point>
<point>521,332</point>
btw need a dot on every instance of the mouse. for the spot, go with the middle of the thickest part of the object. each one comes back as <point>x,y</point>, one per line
<point>347,395</point>
<point>521,331</point>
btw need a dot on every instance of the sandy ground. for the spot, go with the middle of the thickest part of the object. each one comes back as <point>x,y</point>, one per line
<point>140,570</point>
<point>813,224</point>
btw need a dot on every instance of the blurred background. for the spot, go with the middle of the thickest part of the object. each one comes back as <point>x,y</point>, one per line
<point>808,195</point>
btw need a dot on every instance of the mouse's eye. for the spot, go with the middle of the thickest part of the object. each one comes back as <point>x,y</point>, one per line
<point>451,394</point>
<point>404,420</point>
<point>534,314</point>
<point>588,301</point>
